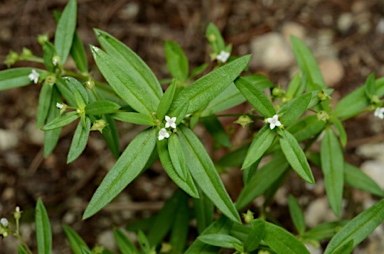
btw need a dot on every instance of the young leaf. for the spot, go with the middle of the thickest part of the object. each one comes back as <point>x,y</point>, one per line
<point>125,245</point>
<point>358,179</point>
<point>220,240</point>
<point>49,52</point>
<point>74,85</point>
<point>204,209</point>
<point>44,104</point>
<point>166,101</point>
<point>332,163</point>
<point>61,121</point>
<point>340,129</point>
<point>255,236</point>
<point>261,142</point>
<point>51,137</point>
<point>21,250</point>
<point>138,96</point>
<point>324,231</point>
<point>133,64</point>
<point>308,65</point>
<point>203,90</point>
<point>79,140</point>
<point>75,241</point>
<point>358,228</point>
<point>126,169</point>
<point>262,180</point>
<point>296,214</point>
<point>292,110</point>
<point>257,98</point>
<point>43,229</point>
<point>177,62</point>
<point>281,241</point>
<point>177,156</point>
<point>214,38</point>
<point>78,54</point>
<point>216,129</point>
<point>295,156</point>
<point>188,184</point>
<point>16,77</point>
<point>101,107</point>
<point>65,30</point>
<point>370,86</point>
<point>296,86</point>
<point>205,174</point>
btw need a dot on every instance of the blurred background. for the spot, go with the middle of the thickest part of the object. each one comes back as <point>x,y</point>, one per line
<point>346,37</point>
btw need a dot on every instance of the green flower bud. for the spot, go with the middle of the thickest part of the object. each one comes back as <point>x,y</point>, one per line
<point>26,54</point>
<point>90,84</point>
<point>244,120</point>
<point>211,38</point>
<point>248,217</point>
<point>11,58</point>
<point>99,125</point>
<point>42,38</point>
<point>323,116</point>
<point>323,96</point>
<point>166,248</point>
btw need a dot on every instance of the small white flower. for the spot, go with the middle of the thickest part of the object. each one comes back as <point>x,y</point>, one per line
<point>4,222</point>
<point>379,112</point>
<point>163,134</point>
<point>223,56</point>
<point>171,122</point>
<point>274,121</point>
<point>59,105</point>
<point>55,60</point>
<point>34,76</point>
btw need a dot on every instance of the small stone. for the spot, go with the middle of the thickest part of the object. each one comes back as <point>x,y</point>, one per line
<point>380,26</point>
<point>292,28</point>
<point>317,212</point>
<point>345,22</point>
<point>107,240</point>
<point>372,151</point>
<point>374,169</point>
<point>8,139</point>
<point>271,51</point>
<point>332,70</point>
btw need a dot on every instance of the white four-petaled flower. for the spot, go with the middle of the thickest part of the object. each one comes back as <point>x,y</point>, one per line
<point>163,134</point>
<point>59,105</point>
<point>379,112</point>
<point>4,222</point>
<point>273,122</point>
<point>34,76</point>
<point>223,56</point>
<point>170,122</point>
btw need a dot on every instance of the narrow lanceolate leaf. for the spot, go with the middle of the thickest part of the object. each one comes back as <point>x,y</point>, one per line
<point>307,64</point>
<point>214,38</point>
<point>78,54</point>
<point>296,214</point>
<point>74,85</point>
<point>133,117</point>
<point>111,136</point>
<point>257,98</point>
<point>306,128</point>
<point>345,248</point>
<point>358,179</point>
<point>21,250</point>
<point>177,156</point>
<point>216,130</point>
<point>261,142</point>
<point>188,184</point>
<point>16,77</point>
<point>281,241</point>
<point>332,164</point>
<point>138,96</point>
<point>204,209</point>
<point>101,107</point>
<point>180,226</point>
<point>358,228</point>
<point>43,229</point>
<point>65,30</point>
<point>205,174</point>
<point>291,111</point>
<point>324,231</point>
<point>177,62</point>
<point>51,137</point>
<point>79,140</point>
<point>44,104</point>
<point>262,180</point>
<point>295,156</point>
<point>220,240</point>
<point>125,245</point>
<point>75,241</point>
<point>131,63</point>
<point>296,86</point>
<point>370,86</point>
<point>340,129</point>
<point>61,121</point>
<point>203,90</point>
<point>255,236</point>
<point>166,101</point>
<point>126,169</point>
<point>49,52</point>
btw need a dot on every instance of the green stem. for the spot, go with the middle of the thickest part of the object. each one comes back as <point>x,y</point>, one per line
<point>23,243</point>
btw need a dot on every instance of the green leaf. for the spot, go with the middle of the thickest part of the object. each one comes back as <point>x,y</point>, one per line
<point>61,121</point>
<point>125,245</point>
<point>259,81</point>
<point>84,250</point>
<point>358,228</point>
<point>75,241</point>
<point>203,90</point>
<point>166,101</point>
<point>49,52</point>
<point>133,117</point>
<point>51,137</point>
<point>257,98</point>
<point>332,162</point>
<point>143,242</point>
<point>177,62</point>
<point>65,30</point>
<point>296,86</point>
<point>345,248</point>
<point>204,209</point>
<point>126,169</point>
<point>21,250</point>
<point>214,38</point>
<point>177,156</point>
<point>296,214</point>
<point>78,54</point>
<point>216,129</point>
<point>188,184</point>
<point>131,63</point>
<point>233,158</point>
<point>281,241</point>
<point>261,142</point>
<point>255,236</point>
<point>198,70</point>
<point>308,65</point>
<point>219,240</point>
<point>370,86</point>
<point>74,85</point>
<point>43,229</point>
<point>306,127</point>
<point>181,112</point>
<point>340,129</point>
<point>16,77</point>
<point>180,227</point>
<point>262,180</point>
<point>101,107</point>
<point>44,104</point>
<point>324,231</point>
<point>205,174</point>
<point>295,156</point>
<point>79,140</point>
<point>358,179</point>
<point>138,96</point>
<point>111,136</point>
<point>292,110</point>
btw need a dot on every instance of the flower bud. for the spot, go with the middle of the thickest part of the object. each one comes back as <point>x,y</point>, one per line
<point>17,213</point>
<point>322,116</point>
<point>11,58</point>
<point>42,38</point>
<point>248,217</point>
<point>244,120</point>
<point>166,248</point>
<point>26,54</point>
<point>90,84</point>
<point>99,125</point>
<point>323,96</point>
